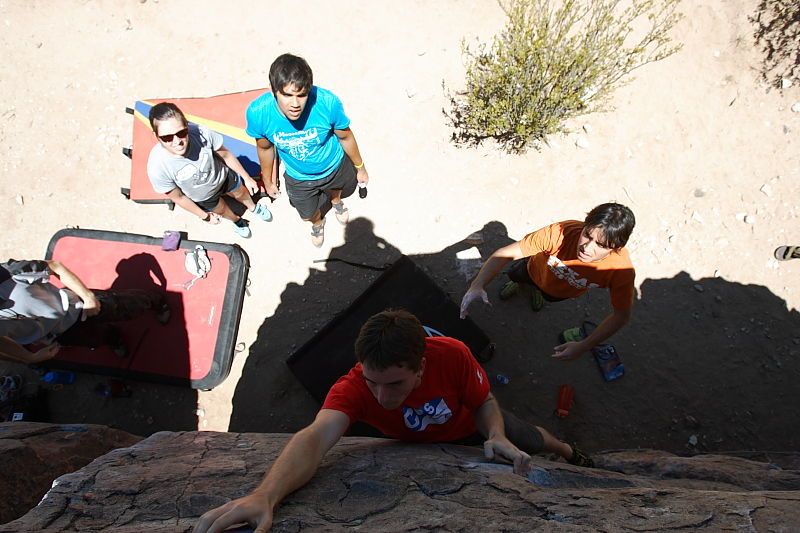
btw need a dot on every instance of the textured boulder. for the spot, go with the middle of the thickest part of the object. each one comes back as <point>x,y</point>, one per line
<point>34,454</point>
<point>166,481</point>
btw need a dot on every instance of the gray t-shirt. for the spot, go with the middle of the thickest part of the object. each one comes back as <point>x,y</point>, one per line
<point>197,173</point>
<point>31,309</point>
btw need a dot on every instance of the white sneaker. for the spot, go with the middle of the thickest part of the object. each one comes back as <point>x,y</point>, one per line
<point>342,213</point>
<point>318,233</point>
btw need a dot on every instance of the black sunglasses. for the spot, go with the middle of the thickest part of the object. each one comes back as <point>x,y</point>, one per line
<point>181,134</point>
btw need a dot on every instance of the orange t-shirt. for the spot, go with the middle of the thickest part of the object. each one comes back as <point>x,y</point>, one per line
<point>555,268</point>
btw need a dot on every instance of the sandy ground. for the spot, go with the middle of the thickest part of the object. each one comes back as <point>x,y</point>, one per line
<point>694,143</point>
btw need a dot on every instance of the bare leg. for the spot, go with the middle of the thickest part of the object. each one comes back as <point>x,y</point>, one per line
<point>553,445</point>
<point>242,195</point>
<point>224,211</point>
<point>335,195</point>
<point>315,218</point>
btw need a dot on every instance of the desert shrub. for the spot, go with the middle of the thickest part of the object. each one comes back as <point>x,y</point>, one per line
<point>777,34</point>
<point>555,59</point>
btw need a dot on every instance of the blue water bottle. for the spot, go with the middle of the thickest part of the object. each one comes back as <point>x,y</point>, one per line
<point>57,376</point>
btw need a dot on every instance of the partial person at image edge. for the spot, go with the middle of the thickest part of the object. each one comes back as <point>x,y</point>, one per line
<point>36,313</point>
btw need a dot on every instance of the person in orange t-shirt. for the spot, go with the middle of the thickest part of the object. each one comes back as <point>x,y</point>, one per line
<point>564,260</point>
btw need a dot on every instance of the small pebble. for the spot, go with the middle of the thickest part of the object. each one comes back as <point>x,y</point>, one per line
<point>749,219</point>
<point>587,128</point>
<point>698,287</point>
<point>796,107</point>
<point>582,142</point>
<point>740,216</point>
<point>786,83</point>
<point>20,200</point>
<point>766,189</point>
<point>693,440</point>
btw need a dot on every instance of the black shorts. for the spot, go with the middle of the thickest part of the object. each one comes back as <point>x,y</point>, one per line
<point>230,184</point>
<point>307,196</point>
<point>521,434</point>
<point>518,271</point>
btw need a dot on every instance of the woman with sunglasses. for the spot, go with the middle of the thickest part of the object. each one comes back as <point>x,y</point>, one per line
<point>184,166</point>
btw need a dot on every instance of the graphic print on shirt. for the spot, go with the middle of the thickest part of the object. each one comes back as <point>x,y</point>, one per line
<point>299,144</point>
<point>563,272</point>
<point>199,174</point>
<point>430,332</point>
<point>434,411</point>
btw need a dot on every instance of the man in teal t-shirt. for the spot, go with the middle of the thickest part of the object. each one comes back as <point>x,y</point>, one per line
<point>308,127</point>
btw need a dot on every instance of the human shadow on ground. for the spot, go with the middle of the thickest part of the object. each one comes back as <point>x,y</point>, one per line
<point>707,359</point>
<point>777,34</point>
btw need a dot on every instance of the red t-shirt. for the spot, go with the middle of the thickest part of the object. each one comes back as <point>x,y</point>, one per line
<point>441,409</point>
<point>555,268</point>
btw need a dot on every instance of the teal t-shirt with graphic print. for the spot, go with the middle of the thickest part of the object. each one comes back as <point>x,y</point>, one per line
<point>308,147</point>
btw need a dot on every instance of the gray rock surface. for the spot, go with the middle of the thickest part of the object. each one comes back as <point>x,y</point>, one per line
<point>33,455</point>
<point>166,481</point>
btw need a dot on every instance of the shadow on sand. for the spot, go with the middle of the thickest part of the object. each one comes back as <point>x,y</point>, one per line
<point>710,358</point>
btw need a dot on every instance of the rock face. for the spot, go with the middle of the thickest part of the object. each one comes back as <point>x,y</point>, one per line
<point>166,481</point>
<point>34,454</point>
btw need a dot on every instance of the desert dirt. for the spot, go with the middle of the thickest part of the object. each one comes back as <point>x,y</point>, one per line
<point>694,143</point>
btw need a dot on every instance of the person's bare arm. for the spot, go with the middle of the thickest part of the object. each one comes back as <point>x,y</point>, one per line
<point>177,196</point>
<point>266,157</point>
<point>293,468</point>
<point>348,141</point>
<point>11,350</point>
<point>234,164</point>
<point>488,271</point>
<point>489,421</point>
<point>90,304</point>
<point>610,325</point>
